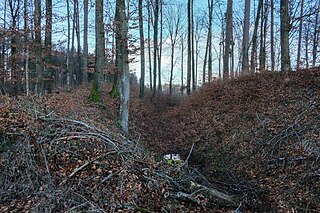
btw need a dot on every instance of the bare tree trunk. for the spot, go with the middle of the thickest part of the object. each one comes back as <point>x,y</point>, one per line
<point>155,44</point>
<point>272,37</point>
<point>228,41</point>
<point>68,49</point>
<point>26,34</point>
<point>123,62</point>
<point>48,46</point>
<point>210,41</point>
<point>300,35</point>
<point>142,57</point>
<point>189,49</point>
<point>38,47</point>
<point>254,38</point>
<point>307,45</point>
<point>315,38</point>
<point>96,91</point>
<point>245,42</point>
<point>85,42</point>
<point>182,58</point>
<point>284,35</point>
<point>78,70</point>
<point>194,83</point>
<point>149,46</point>
<point>160,49</point>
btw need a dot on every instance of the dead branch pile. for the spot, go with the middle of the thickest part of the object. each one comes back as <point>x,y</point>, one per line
<point>62,164</point>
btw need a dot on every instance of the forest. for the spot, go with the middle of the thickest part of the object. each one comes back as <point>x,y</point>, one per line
<point>159,106</point>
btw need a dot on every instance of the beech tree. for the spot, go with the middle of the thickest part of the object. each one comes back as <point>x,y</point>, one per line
<point>142,56</point>
<point>85,42</point>
<point>245,42</point>
<point>227,41</point>
<point>284,35</point>
<point>173,19</point>
<point>100,54</point>
<point>189,65</point>
<point>122,62</point>
<point>38,47</point>
<point>48,47</point>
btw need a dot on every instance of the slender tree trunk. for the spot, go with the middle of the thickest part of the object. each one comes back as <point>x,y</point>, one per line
<point>284,35</point>
<point>171,68</point>
<point>261,54</point>
<point>155,45</point>
<point>26,34</point>
<point>254,38</point>
<point>194,83</point>
<point>100,46</point>
<point>38,47</point>
<point>307,45</point>
<point>48,46</point>
<point>160,49</point>
<point>265,25</point>
<point>315,38</point>
<point>149,46</point>
<point>228,41</point>
<point>272,37</point>
<point>182,58</point>
<point>209,42</point>
<point>189,49</point>
<point>205,63</point>
<point>68,49</point>
<point>123,63</point>
<point>142,57</point>
<point>78,73</point>
<point>245,42</point>
<point>300,35</point>
<point>85,42</point>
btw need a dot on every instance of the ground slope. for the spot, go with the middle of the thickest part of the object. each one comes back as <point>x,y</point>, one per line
<point>258,136</point>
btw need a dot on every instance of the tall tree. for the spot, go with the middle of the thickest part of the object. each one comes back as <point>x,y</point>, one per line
<point>284,35</point>
<point>300,35</point>
<point>48,47</point>
<point>189,65</point>
<point>254,38</point>
<point>272,36</point>
<point>26,35</point>
<point>100,54</point>
<point>38,47</point>
<point>160,46</point>
<point>122,62</point>
<point>85,42</point>
<point>228,41</point>
<point>209,42</point>
<point>245,42</point>
<point>316,36</point>
<point>155,44</point>
<point>149,44</point>
<point>142,56</point>
<point>173,26</point>
<point>194,80</point>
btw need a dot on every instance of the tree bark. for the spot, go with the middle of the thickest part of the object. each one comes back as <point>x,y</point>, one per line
<point>48,46</point>
<point>228,41</point>
<point>189,49</point>
<point>272,36</point>
<point>155,44</point>
<point>245,42</point>
<point>300,35</point>
<point>315,38</point>
<point>254,38</point>
<point>85,42</point>
<point>284,35</point>
<point>142,56</point>
<point>38,47</point>
<point>122,62</point>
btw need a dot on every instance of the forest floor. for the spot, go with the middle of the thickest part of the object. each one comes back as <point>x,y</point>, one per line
<point>250,144</point>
